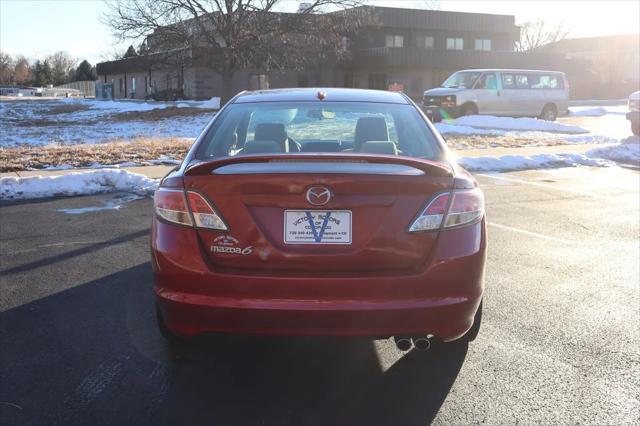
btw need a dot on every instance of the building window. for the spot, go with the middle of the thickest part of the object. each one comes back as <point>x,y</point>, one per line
<point>120,86</point>
<point>146,84</point>
<point>349,80</point>
<point>394,41</point>
<point>378,81</point>
<point>483,44</point>
<point>133,86</point>
<point>424,42</point>
<point>455,44</point>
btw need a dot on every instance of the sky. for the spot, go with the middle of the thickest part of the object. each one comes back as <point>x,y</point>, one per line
<point>36,28</point>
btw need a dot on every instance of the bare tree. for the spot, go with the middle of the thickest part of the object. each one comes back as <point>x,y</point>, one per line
<point>62,67</point>
<point>230,35</point>
<point>6,68</point>
<point>22,73</point>
<point>535,34</point>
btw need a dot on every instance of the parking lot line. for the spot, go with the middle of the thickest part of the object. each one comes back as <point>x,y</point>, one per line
<point>532,234</point>
<point>544,185</point>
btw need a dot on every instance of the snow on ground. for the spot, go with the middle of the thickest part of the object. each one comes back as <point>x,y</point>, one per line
<point>510,123</point>
<point>597,111</point>
<point>626,152</point>
<point>118,180</point>
<point>80,183</point>
<point>112,203</point>
<point>73,121</point>
<point>445,128</point>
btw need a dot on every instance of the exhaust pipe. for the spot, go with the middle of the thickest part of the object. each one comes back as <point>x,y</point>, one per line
<point>402,343</point>
<point>422,343</point>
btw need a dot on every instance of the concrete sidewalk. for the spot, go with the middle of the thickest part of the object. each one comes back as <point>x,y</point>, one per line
<point>156,172</point>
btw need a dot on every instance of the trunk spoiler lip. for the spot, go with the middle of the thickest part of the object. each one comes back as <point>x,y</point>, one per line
<point>431,167</point>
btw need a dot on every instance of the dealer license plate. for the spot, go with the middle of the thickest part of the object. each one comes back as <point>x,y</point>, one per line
<point>317,227</point>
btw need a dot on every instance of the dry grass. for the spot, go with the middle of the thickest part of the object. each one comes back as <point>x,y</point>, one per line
<point>461,142</point>
<point>66,109</point>
<point>159,114</point>
<point>138,151</point>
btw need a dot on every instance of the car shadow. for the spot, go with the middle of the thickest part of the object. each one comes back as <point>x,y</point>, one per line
<point>92,354</point>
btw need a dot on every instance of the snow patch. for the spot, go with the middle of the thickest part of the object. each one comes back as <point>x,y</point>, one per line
<point>597,111</point>
<point>523,162</point>
<point>80,183</point>
<point>627,152</point>
<point>113,203</point>
<point>445,128</point>
<point>509,123</point>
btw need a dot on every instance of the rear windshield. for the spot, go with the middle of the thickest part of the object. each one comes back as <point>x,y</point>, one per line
<point>279,127</point>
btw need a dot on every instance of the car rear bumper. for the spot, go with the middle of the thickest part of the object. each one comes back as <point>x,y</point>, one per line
<point>194,298</point>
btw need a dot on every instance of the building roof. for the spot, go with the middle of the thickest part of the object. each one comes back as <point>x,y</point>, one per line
<point>444,20</point>
<point>311,94</point>
<point>590,44</point>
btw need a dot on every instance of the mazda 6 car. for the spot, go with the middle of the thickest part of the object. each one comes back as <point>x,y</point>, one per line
<point>320,212</point>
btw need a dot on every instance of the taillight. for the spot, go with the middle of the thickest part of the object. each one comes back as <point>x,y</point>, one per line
<point>203,213</point>
<point>449,210</point>
<point>466,207</point>
<point>432,215</point>
<point>171,205</point>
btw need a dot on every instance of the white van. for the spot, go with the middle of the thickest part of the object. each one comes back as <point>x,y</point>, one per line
<point>502,92</point>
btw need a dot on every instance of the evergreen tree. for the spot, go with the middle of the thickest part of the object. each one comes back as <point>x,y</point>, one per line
<point>42,74</point>
<point>131,52</point>
<point>85,72</point>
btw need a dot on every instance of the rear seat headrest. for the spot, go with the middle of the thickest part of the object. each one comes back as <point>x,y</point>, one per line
<point>379,147</point>
<point>262,147</point>
<point>370,129</point>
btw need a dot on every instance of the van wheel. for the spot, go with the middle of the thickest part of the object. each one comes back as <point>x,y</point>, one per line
<point>635,128</point>
<point>468,109</point>
<point>549,113</point>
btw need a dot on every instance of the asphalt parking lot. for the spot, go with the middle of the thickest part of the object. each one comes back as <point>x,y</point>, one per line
<point>560,341</point>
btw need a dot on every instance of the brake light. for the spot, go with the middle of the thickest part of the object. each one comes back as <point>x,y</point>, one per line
<point>450,209</point>
<point>203,213</point>
<point>466,207</point>
<point>172,206</point>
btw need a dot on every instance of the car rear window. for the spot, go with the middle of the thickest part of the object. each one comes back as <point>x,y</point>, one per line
<point>308,127</point>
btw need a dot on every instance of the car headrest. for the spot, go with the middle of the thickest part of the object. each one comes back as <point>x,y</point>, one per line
<point>379,147</point>
<point>271,132</point>
<point>262,147</point>
<point>322,146</point>
<point>370,129</point>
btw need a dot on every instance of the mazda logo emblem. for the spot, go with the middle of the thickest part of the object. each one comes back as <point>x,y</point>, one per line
<point>318,195</point>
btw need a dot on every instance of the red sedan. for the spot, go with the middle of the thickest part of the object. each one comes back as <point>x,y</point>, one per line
<point>320,212</point>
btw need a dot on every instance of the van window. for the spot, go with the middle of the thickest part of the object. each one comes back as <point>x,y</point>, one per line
<point>515,81</point>
<point>488,81</point>
<point>546,81</point>
<point>522,81</point>
<point>508,81</point>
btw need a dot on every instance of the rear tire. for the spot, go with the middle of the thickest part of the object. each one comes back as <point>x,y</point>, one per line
<point>635,128</point>
<point>471,335</point>
<point>468,109</point>
<point>177,344</point>
<point>549,113</point>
